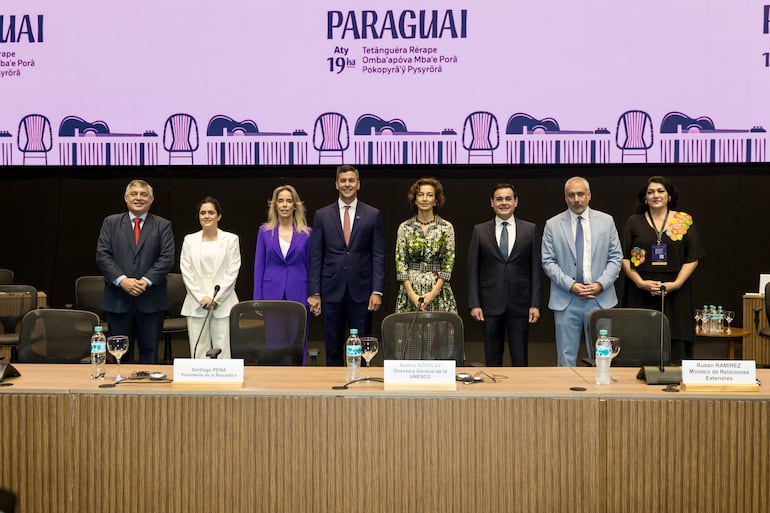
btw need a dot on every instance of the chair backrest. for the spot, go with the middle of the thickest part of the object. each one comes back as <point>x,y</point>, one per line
<point>479,126</point>
<point>767,301</point>
<point>15,302</point>
<point>268,332</point>
<point>639,332</point>
<point>6,277</point>
<point>423,336</point>
<point>634,131</point>
<point>34,134</point>
<point>53,335</point>
<point>176,294</point>
<point>330,127</point>
<point>180,133</point>
<point>89,294</point>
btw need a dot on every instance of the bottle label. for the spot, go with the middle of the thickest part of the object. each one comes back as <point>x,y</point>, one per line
<point>99,347</point>
<point>353,350</point>
<point>603,351</point>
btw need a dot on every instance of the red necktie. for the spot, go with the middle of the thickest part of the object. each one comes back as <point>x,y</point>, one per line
<point>137,230</point>
<point>346,225</point>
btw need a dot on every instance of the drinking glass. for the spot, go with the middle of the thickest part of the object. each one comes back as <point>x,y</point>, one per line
<point>369,348</point>
<point>117,345</point>
<point>698,316</point>
<point>729,316</point>
<point>615,344</point>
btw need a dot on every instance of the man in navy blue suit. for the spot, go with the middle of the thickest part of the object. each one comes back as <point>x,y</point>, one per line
<point>135,252</point>
<point>347,264</point>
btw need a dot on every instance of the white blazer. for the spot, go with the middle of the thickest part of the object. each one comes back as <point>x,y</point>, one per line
<point>228,264</point>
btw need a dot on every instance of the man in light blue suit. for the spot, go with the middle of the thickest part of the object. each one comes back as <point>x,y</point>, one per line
<point>581,256</point>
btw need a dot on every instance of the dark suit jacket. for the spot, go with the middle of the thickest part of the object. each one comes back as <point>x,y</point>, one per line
<point>275,275</point>
<point>116,255</point>
<point>495,284</point>
<point>361,267</point>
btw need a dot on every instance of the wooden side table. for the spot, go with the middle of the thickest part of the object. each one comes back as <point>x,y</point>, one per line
<point>731,337</point>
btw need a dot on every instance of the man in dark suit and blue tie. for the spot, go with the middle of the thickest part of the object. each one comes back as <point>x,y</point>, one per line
<point>135,252</point>
<point>504,280</point>
<point>347,264</point>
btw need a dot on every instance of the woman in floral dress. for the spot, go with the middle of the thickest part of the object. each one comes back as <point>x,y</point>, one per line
<point>425,252</point>
<point>661,248</point>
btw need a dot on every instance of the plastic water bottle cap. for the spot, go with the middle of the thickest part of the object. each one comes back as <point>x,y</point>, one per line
<point>353,331</point>
<point>98,329</point>
<point>602,333</point>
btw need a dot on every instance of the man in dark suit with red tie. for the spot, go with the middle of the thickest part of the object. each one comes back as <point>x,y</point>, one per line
<point>135,252</point>
<point>347,264</point>
<point>504,278</point>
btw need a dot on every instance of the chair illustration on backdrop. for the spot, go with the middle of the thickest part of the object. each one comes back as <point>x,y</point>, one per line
<point>331,136</point>
<point>639,332</point>
<point>34,138</point>
<point>56,336</point>
<point>6,277</point>
<point>180,137</point>
<point>268,332</point>
<point>15,302</point>
<point>174,321</point>
<point>423,336</point>
<point>481,135</point>
<point>634,134</point>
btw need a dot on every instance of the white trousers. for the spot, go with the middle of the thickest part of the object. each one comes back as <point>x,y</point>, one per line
<point>216,334</point>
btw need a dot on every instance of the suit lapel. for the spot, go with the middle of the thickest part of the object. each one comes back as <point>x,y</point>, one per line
<point>566,226</point>
<point>220,255</point>
<point>488,232</point>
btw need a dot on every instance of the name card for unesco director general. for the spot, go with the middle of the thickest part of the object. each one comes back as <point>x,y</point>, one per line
<point>423,375</point>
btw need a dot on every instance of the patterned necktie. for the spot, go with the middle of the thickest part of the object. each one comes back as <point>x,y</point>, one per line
<point>346,225</point>
<point>504,240</point>
<point>579,249</point>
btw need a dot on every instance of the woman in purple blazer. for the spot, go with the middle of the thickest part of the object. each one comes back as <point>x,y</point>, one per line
<point>283,252</point>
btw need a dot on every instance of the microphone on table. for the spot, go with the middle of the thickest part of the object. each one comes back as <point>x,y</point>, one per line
<point>203,327</point>
<point>660,375</point>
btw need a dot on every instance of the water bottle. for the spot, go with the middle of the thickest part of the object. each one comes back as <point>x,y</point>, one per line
<point>713,318</point>
<point>706,319</point>
<point>603,358</point>
<point>720,319</point>
<point>98,353</point>
<point>353,355</point>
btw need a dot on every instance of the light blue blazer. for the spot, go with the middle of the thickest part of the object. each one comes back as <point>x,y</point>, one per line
<point>560,262</point>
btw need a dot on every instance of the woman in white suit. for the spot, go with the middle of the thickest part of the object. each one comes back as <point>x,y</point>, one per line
<point>210,261</point>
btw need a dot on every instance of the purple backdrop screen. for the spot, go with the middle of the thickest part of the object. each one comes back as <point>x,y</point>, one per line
<point>237,82</point>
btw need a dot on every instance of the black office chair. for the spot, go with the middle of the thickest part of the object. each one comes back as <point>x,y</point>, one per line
<point>6,277</point>
<point>174,321</point>
<point>765,332</point>
<point>15,302</point>
<point>423,336</point>
<point>639,332</point>
<point>54,335</point>
<point>268,332</point>
<point>89,296</point>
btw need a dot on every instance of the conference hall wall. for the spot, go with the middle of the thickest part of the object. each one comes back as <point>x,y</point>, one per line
<point>233,98</point>
<point>53,215</point>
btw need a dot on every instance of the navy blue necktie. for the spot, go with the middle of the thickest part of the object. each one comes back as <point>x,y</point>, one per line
<point>504,240</point>
<point>579,249</point>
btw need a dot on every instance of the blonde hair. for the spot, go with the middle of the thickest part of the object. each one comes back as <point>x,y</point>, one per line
<point>300,222</point>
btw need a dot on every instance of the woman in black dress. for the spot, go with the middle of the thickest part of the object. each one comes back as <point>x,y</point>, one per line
<point>661,248</point>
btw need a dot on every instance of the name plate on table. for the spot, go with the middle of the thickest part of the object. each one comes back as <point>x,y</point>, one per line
<point>207,372</point>
<point>426,375</point>
<point>720,375</point>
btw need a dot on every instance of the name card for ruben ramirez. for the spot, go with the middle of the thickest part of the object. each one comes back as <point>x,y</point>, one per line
<point>728,375</point>
<point>424,375</point>
<point>208,372</point>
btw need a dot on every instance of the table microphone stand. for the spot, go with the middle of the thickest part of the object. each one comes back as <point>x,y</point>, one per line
<point>659,375</point>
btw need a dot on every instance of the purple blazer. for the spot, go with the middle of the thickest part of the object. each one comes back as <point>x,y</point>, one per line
<point>276,277</point>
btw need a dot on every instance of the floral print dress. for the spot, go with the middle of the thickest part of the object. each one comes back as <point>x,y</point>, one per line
<point>423,258</point>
